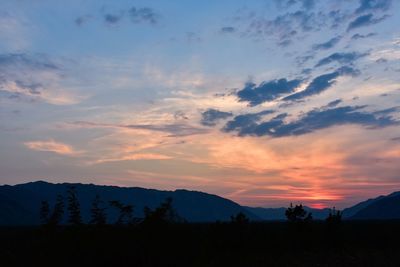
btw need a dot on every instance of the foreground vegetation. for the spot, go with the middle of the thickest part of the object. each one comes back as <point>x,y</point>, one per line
<point>218,244</point>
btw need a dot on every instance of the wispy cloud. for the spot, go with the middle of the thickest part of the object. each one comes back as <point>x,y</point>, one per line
<point>210,117</point>
<point>364,20</point>
<point>342,58</point>
<point>136,156</point>
<point>328,44</point>
<point>53,146</point>
<point>34,77</point>
<point>173,130</point>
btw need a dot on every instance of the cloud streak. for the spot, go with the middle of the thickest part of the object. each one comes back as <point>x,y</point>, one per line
<point>52,146</point>
<point>322,83</point>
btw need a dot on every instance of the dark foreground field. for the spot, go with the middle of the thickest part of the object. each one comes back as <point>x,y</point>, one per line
<point>257,244</point>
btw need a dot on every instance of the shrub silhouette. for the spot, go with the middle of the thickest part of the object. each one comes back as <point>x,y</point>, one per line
<point>98,214</point>
<point>73,207</point>
<point>297,214</point>
<point>240,219</point>
<point>334,217</point>
<point>125,212</point>
<point>163,214</point>
<point>58,212</point>
<point>44,212</point>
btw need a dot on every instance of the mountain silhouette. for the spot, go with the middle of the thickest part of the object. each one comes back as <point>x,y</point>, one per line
<point>380,208</point>
<point>20,204</point>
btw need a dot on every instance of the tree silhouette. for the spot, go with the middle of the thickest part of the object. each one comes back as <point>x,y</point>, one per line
<point>73,207</point>
<point>297,214</point>
<point>125,212</point>
<point>44,212</point>
<point>58,212</point>
<point>334,217</point>
<point>98,214</point>
<point>240,219</point>
<point>165,213</point>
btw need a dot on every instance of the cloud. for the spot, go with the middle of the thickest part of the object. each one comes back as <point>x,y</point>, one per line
<point>314,120</point>
<point>137,15</point>
<point>306,4</point>
<point>267,91</point>
<point>227,29</point>
<point>135,156</point>
<point>364,20</point>
<point>293,25</point>
<point>33,77</point>
<point>362,36</point>
<point>373,5</point>
<point>211,116</point>
<point>143,15</point>
<point>321,83</point>
<point>334,103</point>
<point>112,19</point>
<point>327,45</point>
<point>52,146</point>
<point>38,61</point>
<point>343,58</point>
<point>245,123</point>
<point>174,130</point>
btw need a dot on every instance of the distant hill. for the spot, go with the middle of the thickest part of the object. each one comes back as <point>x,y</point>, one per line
<point>381,208</point>
<point>20,204</point>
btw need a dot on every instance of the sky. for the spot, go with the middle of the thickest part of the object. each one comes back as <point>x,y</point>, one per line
<point>264,102</point>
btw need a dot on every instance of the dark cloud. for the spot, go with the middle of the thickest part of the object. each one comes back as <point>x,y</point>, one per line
<point>321,83</point>
<point>362,36</point>
<point>373,5</point>
<point>334,103</point>
<point>343,58</point>
<point>245,122</point>
<point>211,116</point>
<point>267,91</point>
<point>327,45</point>
<point>312,121</point>
<point>143,15</point>
<point>137,15</point>
<point>364,20</point>
<point>227,29</point>
<point>112,18</point>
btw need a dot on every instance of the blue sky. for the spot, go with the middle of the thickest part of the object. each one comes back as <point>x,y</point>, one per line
<point>263,102</point>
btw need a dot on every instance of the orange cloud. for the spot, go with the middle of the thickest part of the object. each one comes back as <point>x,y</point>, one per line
<point>52,146</point>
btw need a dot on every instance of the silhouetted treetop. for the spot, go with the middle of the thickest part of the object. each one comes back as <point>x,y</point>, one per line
<point>297,214</point>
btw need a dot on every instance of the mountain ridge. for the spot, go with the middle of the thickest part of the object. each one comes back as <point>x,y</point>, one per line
<point>20,204</point>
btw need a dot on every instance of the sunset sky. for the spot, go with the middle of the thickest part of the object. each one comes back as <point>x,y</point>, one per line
<point>262,102</point>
